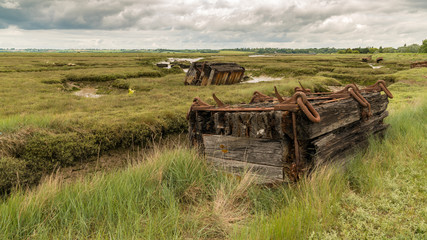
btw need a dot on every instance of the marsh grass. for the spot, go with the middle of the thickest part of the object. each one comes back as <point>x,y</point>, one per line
<point>15,122</point>
<point>386,195</point>
<point>67,129</point>
<point>172,193</point>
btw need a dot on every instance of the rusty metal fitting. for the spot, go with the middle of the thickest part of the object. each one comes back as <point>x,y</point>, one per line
<point>260,97</point>
<point>302,89</point>
<point>351,90</point>
<point>219,103</point>
<point>278,96</point>
<point>297,102</point>
<point>379,86</point>
<point>355,93</point>
<point>198,104</point>
<point>306,107</point>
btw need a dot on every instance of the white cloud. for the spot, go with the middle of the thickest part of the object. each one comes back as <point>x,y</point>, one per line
<point>9,4</point>
<point>213,23</point>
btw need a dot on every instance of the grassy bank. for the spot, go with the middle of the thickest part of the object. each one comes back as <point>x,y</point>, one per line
<point>173,194</point>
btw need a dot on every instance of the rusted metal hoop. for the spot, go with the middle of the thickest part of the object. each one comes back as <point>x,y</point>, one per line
<point>383,86</point>
<point>298,95</point>
<point>361,100</point>
<point>308,109</point>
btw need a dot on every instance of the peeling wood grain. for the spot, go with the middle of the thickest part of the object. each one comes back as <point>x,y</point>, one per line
<point>263,173</point>
<point>253,150</point>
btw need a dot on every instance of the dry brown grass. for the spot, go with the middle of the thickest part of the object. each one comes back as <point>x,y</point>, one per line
<point>11,144</point>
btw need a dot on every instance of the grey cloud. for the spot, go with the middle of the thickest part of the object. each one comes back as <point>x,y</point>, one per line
<point>151,15</point>
<point>417,3</point>
<point>217,22</point>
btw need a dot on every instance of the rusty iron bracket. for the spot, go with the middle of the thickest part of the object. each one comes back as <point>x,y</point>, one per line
<point>260,97</point>
<point>296,102</point>
<point>287,104</point>
<point>379,86</point>
<point>278,96</point>
<point>302,89</point>
<point>351,90</point>
<point>198,104</point>
<point>219,103</point>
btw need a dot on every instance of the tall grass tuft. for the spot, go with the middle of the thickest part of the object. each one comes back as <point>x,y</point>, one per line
<point>149,200</point>
<point>14,122</point>
<point>304,208</point>
<point>405,142</point>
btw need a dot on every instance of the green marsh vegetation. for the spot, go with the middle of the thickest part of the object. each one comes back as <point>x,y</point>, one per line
<point>171,192</point>
<point>39,111</point>
<point>47,126</point>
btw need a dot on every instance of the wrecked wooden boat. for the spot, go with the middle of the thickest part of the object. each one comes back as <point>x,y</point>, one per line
<point>280,139</point>
<point>367,59</point>
<point>419,64</point>
<point>211,73</point>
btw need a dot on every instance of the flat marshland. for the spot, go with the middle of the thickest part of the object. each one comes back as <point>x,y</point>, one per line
<point>169,192</point>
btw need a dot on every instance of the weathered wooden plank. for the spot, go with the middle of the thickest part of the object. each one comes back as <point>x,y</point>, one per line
<point>332,145</point>
<point>249,124</point>
<point>211,79</point>
<point>344,154</point>
<point>261,126</point>
<point>263,173</point>
<point>336,115</point>
<point>378,101</point>
<point>228,121</point>
<point>205,79</point>
<point>235,130</point>
<point>224,78</point>
<point>243,130</point>
<point>252,150</point>
<point>277,132</point>
<point>219,123</point>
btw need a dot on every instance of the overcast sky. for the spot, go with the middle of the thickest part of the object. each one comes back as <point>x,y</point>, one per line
<point>215,24</point>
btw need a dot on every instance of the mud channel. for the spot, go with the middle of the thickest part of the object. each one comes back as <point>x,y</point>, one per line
<point>88,92</point>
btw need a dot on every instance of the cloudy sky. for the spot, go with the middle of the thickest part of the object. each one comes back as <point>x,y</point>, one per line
<point>215,24</point>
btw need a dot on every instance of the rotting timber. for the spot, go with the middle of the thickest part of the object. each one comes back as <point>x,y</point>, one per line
<point>280,139</point>
<point>211,73</point>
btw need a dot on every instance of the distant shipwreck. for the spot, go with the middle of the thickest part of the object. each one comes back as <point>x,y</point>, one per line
<point>211,73</point>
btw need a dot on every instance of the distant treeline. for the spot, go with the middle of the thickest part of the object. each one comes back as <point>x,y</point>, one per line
<point>285,50</point>
<point>188,50</point>
<point>413,48</point>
